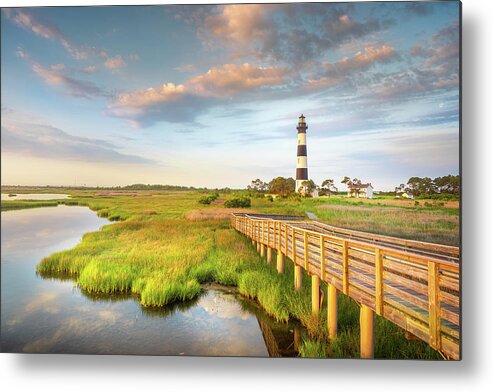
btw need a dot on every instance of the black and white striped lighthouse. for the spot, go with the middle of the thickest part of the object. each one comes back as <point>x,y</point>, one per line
<point>301,162</point>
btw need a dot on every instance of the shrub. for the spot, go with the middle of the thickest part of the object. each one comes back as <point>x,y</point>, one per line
<point>209,198</point>
<point>205,200</point>
<point>439,196</point>
<point>240,202</point>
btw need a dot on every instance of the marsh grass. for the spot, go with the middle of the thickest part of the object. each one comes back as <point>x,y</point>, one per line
<point>8,205</point>
<point>164,258</point>
<point>313,349</point>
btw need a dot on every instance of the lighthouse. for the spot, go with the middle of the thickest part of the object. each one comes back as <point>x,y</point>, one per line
<point>301,160</point>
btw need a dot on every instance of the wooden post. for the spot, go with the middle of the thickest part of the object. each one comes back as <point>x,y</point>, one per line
<point>378,282</point>
<point>293,247</point>
<point>366,332</point>
<point>262,235</point>
<point>332,310</point>
<point>305,246</point>
<point>262,250</point>
<point>297,277</point>
<point>296,338</point>
<point>279,231</point>
<point>258,247</point>
<point>286,240</point>
<point>345,268</point>
<point>322,258</point>
<point>274,231</point>
<point>434,305</point>
<point>269,254</point>
<point>280,262</point>
<point>315,294</point>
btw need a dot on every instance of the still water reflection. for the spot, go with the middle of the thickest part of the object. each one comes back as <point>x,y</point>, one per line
<point>49,314</point>
<point>33,196</point>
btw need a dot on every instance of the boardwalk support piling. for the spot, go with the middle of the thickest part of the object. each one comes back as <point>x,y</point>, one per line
<point>297,277</point>
<point>269,254</point>
<point>332,310</point>
<point>258,246</point>
<point>366,332</point>
<point>280,262</point>
<point>262,250</point>
<point>315,294</point>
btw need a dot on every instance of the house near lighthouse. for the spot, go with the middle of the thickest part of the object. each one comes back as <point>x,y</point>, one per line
<point>301,159</point>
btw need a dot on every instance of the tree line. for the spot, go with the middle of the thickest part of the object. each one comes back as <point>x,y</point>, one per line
<point>416,186</point>
<point>425,187</point>
<point>287,186</point>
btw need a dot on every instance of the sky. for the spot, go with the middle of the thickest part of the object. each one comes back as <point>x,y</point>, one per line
<point>209,95</point>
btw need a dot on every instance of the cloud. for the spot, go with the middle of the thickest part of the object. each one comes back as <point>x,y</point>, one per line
<point>419,8</point>
<point>56,75</point>
<point>186,68</point>
<point>291,33</point>
<point>28,21</point>
<point>45,141</point>
<point>184,102</point>
<point>231,79</point>
<point>113,63</point>
<point>241,23</point>
<point>362,60</point>
<point>432,68</point>
<point>344,28</point>
<point>89,69</point>
<point>340,71</point>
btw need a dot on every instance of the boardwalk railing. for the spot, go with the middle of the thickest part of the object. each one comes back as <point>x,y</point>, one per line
<point>416,285</point>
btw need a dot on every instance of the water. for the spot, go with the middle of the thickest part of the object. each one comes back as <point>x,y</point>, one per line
<point>51,315</point>
<point>33,196</point>
<point>311,215</point>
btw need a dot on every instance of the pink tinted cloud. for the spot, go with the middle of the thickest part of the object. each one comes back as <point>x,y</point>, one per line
<point>231,79</point>
<point>241,23</point>
<point>170,100</point>
<point>362,60</point>
<point>340,71</point>
<point>56,75</point>
<point>28,21</point>
<point>113,63</point>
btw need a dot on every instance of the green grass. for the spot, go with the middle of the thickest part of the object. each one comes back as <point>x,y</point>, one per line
<point>313,349</point>
<point>163,258</point>
<point>8,205</point>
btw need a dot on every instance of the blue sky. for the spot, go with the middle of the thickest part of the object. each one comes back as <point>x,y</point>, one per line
<point>209,95</point>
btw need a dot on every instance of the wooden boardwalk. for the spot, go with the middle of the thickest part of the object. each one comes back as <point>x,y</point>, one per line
<point>416,285</point>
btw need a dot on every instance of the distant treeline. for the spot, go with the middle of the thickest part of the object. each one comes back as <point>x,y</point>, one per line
<point>446,187</point>
<point>134,187</point>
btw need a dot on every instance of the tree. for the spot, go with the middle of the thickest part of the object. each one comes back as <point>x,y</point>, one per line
<point>448,184</point>
<point>282,186</point>
<point>307,187</point>
<point>417,186</point>
<point>258,185</point>
<point>328,186</point>
<point>399,189</point>
<point>346,180</point>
